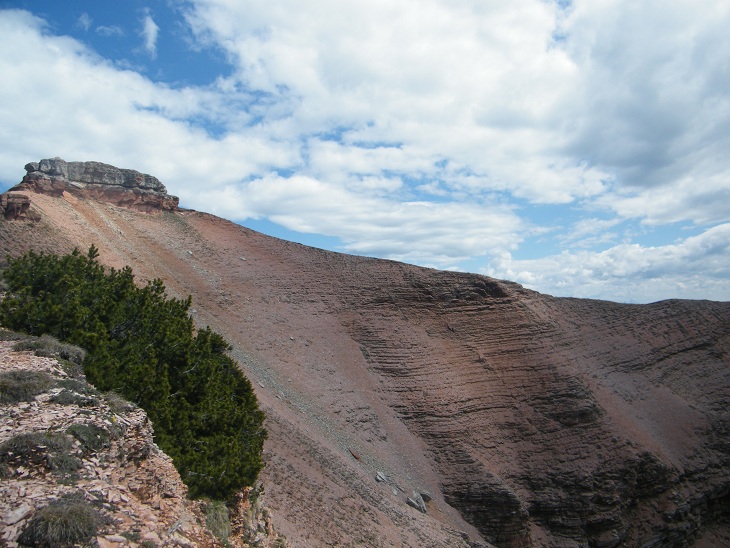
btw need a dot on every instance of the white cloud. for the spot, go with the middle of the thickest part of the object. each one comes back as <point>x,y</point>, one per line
<point>84,21</point>
<point>652,88</point>
<point>703,200</point>
<point>696,267</point>
<point>149,33</point>
<point>422,130</point>
<point>64,100</point>
<point>109,30</point>
<point>439,234</point>
<point>633,96</point>
<point>590,233</point>
<point>476,85</point>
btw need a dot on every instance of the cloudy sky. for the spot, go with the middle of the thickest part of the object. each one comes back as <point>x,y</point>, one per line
<point>579,148</point>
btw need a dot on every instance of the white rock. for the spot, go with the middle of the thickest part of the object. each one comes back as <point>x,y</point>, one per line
<point>14,516</point>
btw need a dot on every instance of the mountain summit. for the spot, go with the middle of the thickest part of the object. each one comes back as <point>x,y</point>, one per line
<point>413,407</point>
<point>123,187</point>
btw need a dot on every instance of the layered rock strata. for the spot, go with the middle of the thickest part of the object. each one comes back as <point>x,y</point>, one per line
<point>14,206</point>
<point>122,187</point>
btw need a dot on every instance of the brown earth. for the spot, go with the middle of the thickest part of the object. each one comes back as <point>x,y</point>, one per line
<point>529,420</point>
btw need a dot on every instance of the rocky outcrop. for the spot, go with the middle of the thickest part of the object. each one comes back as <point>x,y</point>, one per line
<point>122,187</point>
<point>66,446</point>
<point>14,205</point>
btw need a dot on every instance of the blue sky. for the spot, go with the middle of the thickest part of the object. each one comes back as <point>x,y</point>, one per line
<point>579,148</point>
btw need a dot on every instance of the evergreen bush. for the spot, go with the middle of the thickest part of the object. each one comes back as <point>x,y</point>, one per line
<point>143,345</point>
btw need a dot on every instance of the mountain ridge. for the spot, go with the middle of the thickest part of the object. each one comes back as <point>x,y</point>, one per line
<point>543,421</point>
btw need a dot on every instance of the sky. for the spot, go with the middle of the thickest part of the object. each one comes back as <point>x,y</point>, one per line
<point>580,148</point>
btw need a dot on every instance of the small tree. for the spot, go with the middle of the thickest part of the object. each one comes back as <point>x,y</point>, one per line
<point>143,345</point>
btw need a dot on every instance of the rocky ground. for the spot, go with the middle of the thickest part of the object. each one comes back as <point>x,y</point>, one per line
<point>92,457</point>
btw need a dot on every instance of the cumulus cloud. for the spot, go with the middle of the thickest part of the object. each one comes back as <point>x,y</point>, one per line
<point>439,234</point>
<point>549,104</point>
<point>96,111</point>
<point>430,131</point>
<point>652,77</point>
<point>472,85</point>
<point>695,267</point>
<point>702,200</point>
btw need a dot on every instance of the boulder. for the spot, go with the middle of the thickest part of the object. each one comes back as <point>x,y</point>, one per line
<point>417,502</point>
<point>14,205</point>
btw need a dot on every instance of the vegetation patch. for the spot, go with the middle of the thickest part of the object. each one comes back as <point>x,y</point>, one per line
<point>118,404</point>
<point>52,450</point>
<point>7,335</point>
<point>144,346</point>
<point>217,520</point>
<point>78,386</point>
<point>22,385</point>
<point>93,438</point>
<point>65,522</point>
<point>69,397</point>
<point>50,347</point>
<point>132,536</point>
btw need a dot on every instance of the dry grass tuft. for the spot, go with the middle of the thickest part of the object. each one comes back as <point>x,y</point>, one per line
<point>20,385</point>
<point>65,522</point>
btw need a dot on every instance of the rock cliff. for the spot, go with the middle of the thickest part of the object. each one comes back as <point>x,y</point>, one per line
<point>122,187</point>
<point>517,418</point>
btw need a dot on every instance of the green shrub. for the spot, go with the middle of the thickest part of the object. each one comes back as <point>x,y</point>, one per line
<point>65,522</point>
<point>92,437</point>
<point>7,335</point>
<point>117,404</point>
<point>22,385</point>
<point>64,466</point>
<point>132,536</point>
<point>144,346</point>
<point>78,386</point>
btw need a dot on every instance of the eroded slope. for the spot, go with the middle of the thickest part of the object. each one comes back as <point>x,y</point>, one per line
<point>543,421</point>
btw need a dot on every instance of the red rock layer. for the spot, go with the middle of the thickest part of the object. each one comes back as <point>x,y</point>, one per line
<point>132,198</point>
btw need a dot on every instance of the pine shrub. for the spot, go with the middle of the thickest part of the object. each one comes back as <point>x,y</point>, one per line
<point>143,345</point>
